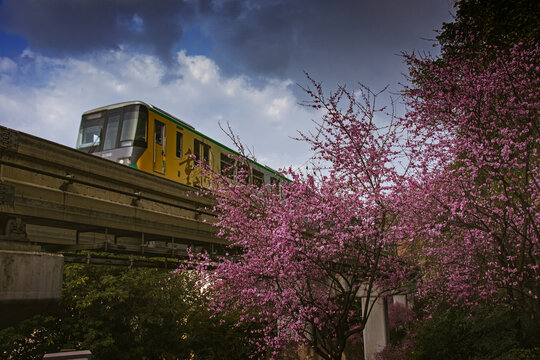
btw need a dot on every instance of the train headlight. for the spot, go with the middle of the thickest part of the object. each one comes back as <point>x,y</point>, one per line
<point>125,161</point>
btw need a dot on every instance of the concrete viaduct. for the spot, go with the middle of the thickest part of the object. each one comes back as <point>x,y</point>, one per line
<point>54,198</point>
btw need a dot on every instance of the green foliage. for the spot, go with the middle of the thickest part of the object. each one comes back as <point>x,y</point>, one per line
<point>521,354</point>
<point>485,333</point>
<point>121,313</point>
<point>30,339</point>
<point>118,309</point>
<point>492,22</point>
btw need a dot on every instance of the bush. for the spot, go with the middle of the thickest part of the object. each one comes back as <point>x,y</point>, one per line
<point>494,333</point>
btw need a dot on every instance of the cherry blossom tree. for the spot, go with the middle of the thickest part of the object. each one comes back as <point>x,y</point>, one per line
<point>308,259</point>
<point>474,207</point>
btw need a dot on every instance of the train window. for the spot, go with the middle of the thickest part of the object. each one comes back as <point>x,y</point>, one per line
<point>90,136</point>
<point>179,144</point>
<point>242,170</point>
<point>197,145</point>
<point>227,165</point>
<point>159,132</point>
<point>275,181</point>
<point>196,149</point>
<point>90,133</point>
<point>206,153</point>
<point>112,132</point>
<point>134,127</point>
<point>258,177</point>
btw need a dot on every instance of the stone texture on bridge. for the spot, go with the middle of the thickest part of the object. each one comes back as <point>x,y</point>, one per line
<point>30,275</point>
<point>29,282</point>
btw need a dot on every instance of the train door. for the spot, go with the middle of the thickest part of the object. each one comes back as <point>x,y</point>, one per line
<point>159,147</point>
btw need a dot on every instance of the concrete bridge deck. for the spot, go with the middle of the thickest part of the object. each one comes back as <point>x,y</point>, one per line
<point>70,199</point>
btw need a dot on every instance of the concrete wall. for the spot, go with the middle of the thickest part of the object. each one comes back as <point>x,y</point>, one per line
<point>30,283</point>
<point>29,276</point>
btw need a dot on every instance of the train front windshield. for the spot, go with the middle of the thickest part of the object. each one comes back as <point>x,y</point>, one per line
<point>113,128</point>
<point>90,132</point>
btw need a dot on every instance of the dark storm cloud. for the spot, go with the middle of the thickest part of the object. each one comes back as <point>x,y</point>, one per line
<point>335,40</point>
<point>70,27</point>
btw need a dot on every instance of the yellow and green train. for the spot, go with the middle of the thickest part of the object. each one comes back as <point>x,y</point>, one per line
<point>145,137</point>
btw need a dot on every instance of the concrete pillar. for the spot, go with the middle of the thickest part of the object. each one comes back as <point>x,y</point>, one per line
<point>376,334</point>
<point>405,300</point>
<point>28,280</point>
<point>30,276</point>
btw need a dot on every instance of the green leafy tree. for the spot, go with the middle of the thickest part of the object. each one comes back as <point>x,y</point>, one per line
<point>502,23</point>
<point>482,333</point>
<point>121,313</point>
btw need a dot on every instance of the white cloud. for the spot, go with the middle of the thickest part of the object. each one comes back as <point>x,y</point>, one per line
<point>278,107</point>
<point>7,65</point>
<point>199,68</point>
<point>46,96</point>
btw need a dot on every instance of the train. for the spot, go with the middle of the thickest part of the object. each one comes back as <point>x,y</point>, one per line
<point>143,136</point>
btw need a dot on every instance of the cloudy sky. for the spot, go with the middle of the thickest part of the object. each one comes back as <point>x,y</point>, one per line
<point>205,61</point>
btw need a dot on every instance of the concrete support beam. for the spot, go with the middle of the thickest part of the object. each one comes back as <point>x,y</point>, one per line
<point>376,334</point>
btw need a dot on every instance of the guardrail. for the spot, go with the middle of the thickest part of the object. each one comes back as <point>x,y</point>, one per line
<point>44,185</point>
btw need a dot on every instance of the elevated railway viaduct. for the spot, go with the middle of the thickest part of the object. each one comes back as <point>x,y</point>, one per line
<point>55,198</point>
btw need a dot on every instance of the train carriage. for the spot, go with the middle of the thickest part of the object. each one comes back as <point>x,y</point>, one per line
<point>145,137</point>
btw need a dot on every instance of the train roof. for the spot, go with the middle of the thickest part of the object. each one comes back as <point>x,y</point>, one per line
<point>138,102</point>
